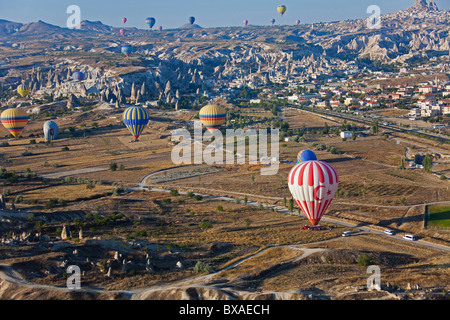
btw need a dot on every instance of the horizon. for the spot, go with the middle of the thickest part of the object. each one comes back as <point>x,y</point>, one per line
<point>29,11</point>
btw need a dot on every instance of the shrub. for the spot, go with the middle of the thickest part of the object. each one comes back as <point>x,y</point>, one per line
<point>204,225</point>
<point>198,197</point>
<point>113,166</point>
<point>174,193</point>
<point>202,267</point>
<point>219,208</point>
<point>365,260</point>
<point>65,148</point>
<point>166,201</point>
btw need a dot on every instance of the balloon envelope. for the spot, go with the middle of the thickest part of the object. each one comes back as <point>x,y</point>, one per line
<point>191,20</point>
<point>281,9</point>
<point>14,120</point>
<point>245,22</point>
<point>123,32</point>
<point>212,116</point>
<point>127,49</point>
<point>51,130</point>
<point>135,119</point>
<point>124,20</point>
<point>150,22</point>
<point>23,90</point>
<point>78,76</point>
<point>313,185</point>
<point>272,21</point>
<point>306,155</point>
<point>298,22</point>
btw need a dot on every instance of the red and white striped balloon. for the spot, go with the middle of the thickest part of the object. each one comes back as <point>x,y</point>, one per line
<point>313,185</point>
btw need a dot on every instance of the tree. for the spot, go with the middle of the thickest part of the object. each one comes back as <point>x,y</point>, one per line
<point>375,126</point>
<point>427,163</point>
<point>326,130</point>
<point>291,205</point>
<point>248,222</point>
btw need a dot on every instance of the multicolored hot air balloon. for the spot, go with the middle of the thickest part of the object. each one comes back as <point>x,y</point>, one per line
<point>150,22</point>
<point>14,120</point>
<point>306,155</point>
<point>297,22</point>
<point>51,130</point>
<point>212,116</point>
<point>281,9</point>
<point>313,185</point>
<point>127,49</point>
<point>23,90</point>
<point>78,76</point>
<point>245,22</point>
<point>136,119</point>
<point>272,21</point>
<point>191,20</point>
<point>160,28</point>
<point>123,32</point>
<point>124,20</point>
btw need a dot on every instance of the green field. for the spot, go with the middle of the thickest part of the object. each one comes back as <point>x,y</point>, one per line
<point>439,217</point>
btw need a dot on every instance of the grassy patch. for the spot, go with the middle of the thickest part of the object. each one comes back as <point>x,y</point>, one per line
<point>439,216</point>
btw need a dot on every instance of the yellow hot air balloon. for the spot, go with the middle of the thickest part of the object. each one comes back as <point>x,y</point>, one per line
<point>281,9</point>
<point>212,116</point>
<point>14,120</point>
<point>23,90</point>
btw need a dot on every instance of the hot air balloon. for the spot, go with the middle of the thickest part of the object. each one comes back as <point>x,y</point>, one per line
<point>313,185</point>
<point>127,49</point>
<point>23,90</point>
<point>306,155</point>
<point>281,9</point>
<point>123,32</point>
<point>51,130</point>
<point>136,119</point>
<point>14,120</point>
<point>160,28</point>
<point>150,22</point>
<point>124,20</point>
<point>297,22</point>
<point>78,76</point>
<point>245,22</point>
<point>191,20</point>
<point>212,116</point>
<point>272,21</point>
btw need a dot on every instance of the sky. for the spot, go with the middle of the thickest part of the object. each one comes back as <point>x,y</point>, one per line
<point>208,13</point>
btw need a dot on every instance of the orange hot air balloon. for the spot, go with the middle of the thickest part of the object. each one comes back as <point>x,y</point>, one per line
<point>14,120</point>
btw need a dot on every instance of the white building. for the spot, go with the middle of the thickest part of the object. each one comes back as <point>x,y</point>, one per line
<point>346,134</point>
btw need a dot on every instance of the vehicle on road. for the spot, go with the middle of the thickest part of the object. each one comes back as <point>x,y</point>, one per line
<point>346,233</point>
<point>389,231</point>
<point>410,237</point>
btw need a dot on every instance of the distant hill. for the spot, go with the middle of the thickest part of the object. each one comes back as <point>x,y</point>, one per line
<point>190,26</point>
<point>8,27</point>
<point>41,27</point>
<point>96,26</point>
